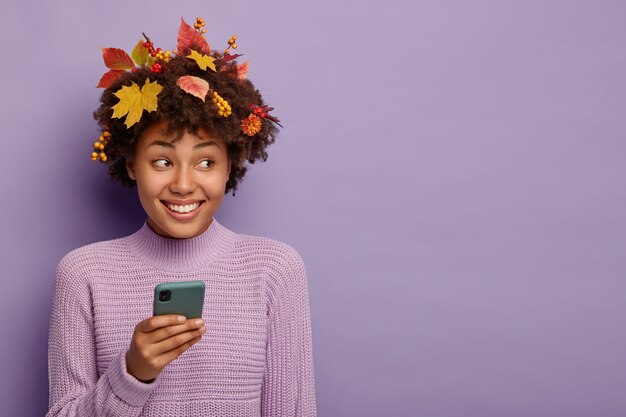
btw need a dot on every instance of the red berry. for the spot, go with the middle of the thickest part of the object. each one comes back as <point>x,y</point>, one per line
<point>153,53</point>
<point>262,115</point>
<point>146,44</point>
<point>159,49</point>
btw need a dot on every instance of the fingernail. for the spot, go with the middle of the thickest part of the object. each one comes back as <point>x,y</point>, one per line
<point>202,329</point>
<point>182,319</point>
<point>199,322</point>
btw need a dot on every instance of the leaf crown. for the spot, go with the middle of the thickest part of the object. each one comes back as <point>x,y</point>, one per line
<point>192,44</point>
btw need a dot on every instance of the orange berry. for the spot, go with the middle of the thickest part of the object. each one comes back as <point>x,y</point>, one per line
<point>234,45</point>
<point>234,37</point>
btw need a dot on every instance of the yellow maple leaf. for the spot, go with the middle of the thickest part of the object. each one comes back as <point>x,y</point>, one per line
<point>134,101</point>
<point>203,61</point>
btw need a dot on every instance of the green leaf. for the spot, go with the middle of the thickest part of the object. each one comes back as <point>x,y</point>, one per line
<point>140,53</point>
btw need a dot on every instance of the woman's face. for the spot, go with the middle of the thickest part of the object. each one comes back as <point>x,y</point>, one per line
<point>181,179</point>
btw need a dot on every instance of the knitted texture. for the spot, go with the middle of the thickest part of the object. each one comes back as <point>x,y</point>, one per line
<point>255,359</point>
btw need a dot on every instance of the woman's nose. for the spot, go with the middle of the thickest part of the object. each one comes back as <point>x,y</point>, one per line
<point>183,181</point>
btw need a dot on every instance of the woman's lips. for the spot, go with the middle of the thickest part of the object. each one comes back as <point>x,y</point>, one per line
<point>183,211</point>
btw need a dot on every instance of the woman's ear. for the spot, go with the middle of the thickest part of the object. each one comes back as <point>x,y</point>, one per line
<point>130,170</point>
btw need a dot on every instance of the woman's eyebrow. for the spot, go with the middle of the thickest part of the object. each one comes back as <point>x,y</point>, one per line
<point>204,144</point>
<point>160,143</point>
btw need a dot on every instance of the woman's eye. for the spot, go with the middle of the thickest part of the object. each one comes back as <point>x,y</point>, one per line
<point>162,163</point>
<point>207,163</point>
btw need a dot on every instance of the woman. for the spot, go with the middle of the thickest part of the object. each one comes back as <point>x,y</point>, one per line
<point>181,127</point>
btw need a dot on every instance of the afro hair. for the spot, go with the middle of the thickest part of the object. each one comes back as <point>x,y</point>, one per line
<point>183,111</point>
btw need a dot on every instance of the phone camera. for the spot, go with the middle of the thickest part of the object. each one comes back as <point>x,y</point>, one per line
<point>165,295</point>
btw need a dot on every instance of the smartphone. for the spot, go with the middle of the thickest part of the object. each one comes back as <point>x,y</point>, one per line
<point>185,298</point>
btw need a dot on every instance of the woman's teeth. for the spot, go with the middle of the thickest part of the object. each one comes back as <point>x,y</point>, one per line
<point>183,209</point>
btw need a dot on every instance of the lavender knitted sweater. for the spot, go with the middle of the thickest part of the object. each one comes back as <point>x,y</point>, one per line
<point>255,358</point>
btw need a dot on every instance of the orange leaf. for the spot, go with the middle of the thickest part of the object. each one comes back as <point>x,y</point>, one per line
<point>189,39</point>
<point>109,78</point>
<point>117,59</point>
<point>193,85</point>
<point>242,70</point>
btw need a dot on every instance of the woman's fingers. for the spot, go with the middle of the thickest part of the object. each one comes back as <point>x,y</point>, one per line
<point>153,323</point>
<point>169,356</point>
<point>164,333</point>
<point>177,340</point>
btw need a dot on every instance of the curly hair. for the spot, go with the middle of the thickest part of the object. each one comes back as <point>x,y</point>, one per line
<point>184,111</point>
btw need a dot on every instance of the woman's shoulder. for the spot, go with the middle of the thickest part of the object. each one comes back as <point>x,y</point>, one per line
<point>93,253</point>
<point>273,253</point>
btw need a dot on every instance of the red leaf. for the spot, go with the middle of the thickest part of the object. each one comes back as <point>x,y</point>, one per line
<point>228,57</point>
<point>193,85</point>
<point>117,59</point>
<point>109,78</point>
<point>189,38</point>
<point>273,119</point>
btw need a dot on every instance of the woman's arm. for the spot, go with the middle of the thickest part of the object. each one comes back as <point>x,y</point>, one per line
<point>76,388</point>
<point>288,383</point>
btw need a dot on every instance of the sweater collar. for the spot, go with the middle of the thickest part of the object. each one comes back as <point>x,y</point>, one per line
<point>182,254</point>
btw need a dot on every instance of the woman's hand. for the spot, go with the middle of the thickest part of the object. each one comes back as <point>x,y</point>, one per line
<point>159,340</point>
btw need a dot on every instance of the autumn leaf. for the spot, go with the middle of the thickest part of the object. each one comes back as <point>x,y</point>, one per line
<point>140,53</point>
<point>133,101</point>
<point>242,70</point>
<point>109,78</point>
<point>264,113</point>
<point>203,61</point>
<point>228,57</point>
<point>193,85</point>
<point>189,39</point>
<point>117,59</point>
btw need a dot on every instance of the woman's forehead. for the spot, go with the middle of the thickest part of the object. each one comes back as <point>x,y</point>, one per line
<point>165,132</point>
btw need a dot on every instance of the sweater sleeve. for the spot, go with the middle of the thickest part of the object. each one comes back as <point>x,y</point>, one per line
<point>76,389</point>
<point>288,388</point>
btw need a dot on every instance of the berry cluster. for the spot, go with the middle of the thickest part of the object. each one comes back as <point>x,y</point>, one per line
<point>223,108</point>
<point>199,26</point>
<point>258,111</point>
<point>231,44</point>
<point>99,146</point>
<point>158,54</point>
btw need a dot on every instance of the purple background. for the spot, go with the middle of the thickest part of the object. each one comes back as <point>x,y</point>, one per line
<point>452,173</point>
